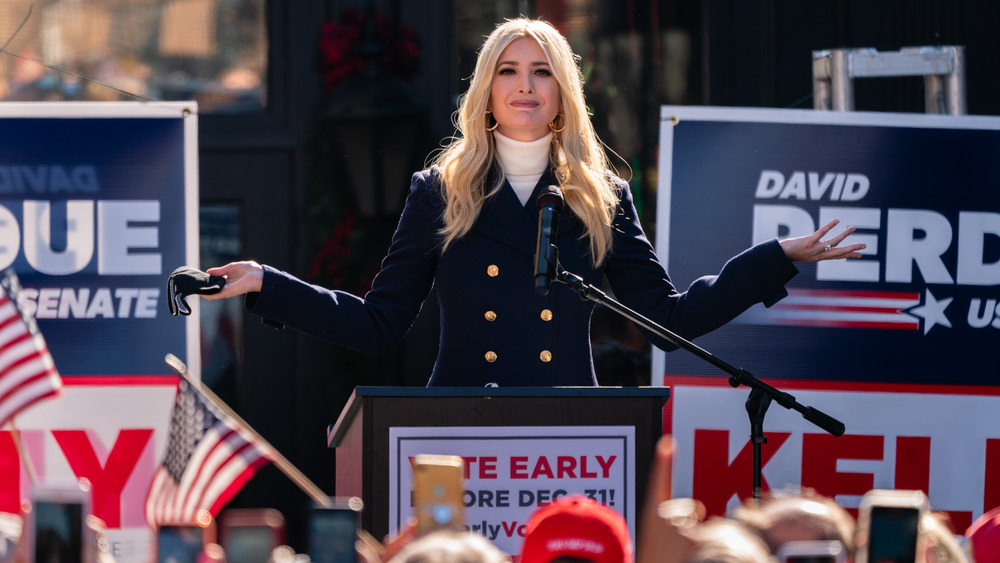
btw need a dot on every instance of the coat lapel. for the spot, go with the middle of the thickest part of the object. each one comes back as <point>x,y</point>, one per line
<point>504,219</point>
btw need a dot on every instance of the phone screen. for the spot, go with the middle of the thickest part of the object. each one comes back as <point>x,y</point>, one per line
<point>58,531</point>
<point>437,493</point>
<point>332,535</point>
<point>249,544</point>
<point>179,544</point>
<point>892,535</point>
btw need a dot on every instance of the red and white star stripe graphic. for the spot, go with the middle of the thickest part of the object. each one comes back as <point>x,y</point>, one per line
<point>839,308</point>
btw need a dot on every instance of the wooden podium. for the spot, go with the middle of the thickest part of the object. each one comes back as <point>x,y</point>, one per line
<point>361,434</point>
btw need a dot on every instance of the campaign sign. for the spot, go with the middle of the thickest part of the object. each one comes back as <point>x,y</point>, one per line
<point>945,445</point>
<point>897,345</point>
<point>113,435</point>
<point>923,304</point>
<point>510,471</point>
<point>98,205</point>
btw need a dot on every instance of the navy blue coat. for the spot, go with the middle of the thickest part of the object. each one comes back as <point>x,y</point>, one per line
<point>494,327</point>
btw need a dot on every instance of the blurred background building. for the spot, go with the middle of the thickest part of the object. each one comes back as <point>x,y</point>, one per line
<point>313,114</point>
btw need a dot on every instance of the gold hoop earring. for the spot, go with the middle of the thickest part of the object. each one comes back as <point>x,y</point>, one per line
<point>495,122</point>
<point>552,124</point>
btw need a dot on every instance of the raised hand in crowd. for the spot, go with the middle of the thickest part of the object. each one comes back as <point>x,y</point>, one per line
<point>371,550</point>
<point>667,525</point>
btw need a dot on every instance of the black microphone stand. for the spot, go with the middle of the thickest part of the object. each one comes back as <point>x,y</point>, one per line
<point>761,394</point>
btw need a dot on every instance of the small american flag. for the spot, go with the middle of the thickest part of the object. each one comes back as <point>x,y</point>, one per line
<point>27,372</point>
<point>209,458</point>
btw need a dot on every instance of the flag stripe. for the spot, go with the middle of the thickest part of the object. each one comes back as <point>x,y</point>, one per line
<point>847,293</point>
<point>198,463</point>
<point>871,324</point>
<point>214,459</point>
<point>27,372</point>
<point>160,484</point>
<point>16,379</point>
<point>224,474</point>
<point>42,388</point>
<point>42,381</point>
<point>9,318</point>
<point>840,309</point>
<point>837,315</point>
<point>209,458</point>
<point>17,345</point>
<point>237,484</point>
<point>845,308</point>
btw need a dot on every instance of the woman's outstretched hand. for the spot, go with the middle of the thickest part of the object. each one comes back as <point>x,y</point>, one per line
<point>241,277</point>
<point>814,248</point>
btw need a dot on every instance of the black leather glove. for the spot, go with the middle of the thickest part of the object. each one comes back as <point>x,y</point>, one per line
<point>185,281</point>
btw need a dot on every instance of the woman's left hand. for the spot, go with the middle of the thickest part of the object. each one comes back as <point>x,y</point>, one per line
<point>813,248</point>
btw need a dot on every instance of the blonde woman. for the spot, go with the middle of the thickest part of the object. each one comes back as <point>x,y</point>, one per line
<point>469,229</point>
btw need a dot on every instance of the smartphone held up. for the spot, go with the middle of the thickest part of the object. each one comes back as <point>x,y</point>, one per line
<point>889,525</point>
<point>249,535</point>
<point>438,483</point>
<point>183,542</point>
<point>57,523</point>
<point>333,530</point>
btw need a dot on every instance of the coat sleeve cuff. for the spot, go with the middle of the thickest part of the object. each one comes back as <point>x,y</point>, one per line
<point>774,298</point>
<point>251,299</point>
<point>783,270</point>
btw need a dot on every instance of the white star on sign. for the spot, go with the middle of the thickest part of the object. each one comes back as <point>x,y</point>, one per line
<point>932,311</point>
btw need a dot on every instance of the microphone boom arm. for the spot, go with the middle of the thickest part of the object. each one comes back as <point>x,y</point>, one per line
<point>761,394</point>
<point>738,376</point>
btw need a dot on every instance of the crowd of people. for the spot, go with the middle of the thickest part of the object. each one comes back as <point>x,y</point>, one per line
<point>783,527</point>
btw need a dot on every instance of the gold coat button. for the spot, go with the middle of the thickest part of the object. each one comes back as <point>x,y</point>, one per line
<point>490,316</point>
<point>546,315</point>
<point>492,271</point>
<point>491,356</point>
<point>545,356</point>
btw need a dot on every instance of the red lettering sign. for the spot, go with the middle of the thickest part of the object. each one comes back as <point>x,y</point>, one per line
<point>109,480</point>
<point>820,453</point>
<point>715,479</point>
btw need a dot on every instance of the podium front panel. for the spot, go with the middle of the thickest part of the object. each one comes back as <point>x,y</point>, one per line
<point>362,434</point>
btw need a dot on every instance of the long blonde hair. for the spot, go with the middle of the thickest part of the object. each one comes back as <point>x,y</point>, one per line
<point>577,156</point>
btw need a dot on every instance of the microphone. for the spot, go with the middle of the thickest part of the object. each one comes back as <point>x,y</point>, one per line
<point>550,203</point>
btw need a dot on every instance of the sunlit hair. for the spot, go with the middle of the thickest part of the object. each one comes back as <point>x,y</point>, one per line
<point>813,516</point>
<point>577,156</point>
<point>719,540</point>
<point>939,540</point>
<point>447,546</point>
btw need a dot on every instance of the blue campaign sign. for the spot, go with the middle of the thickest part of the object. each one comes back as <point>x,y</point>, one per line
<point>921,307</point>
<point>96,208</point>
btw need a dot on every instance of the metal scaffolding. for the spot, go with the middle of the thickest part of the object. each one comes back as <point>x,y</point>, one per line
<point>943,69</point>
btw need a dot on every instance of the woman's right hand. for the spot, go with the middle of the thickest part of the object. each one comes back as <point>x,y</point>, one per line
<point>241,277</point>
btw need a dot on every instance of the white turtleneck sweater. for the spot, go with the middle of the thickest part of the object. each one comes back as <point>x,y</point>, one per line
<point>523,162</point>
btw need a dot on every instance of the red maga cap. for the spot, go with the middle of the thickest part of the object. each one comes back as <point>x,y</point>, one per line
<point>984,534</point>
<point>576,526</point>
